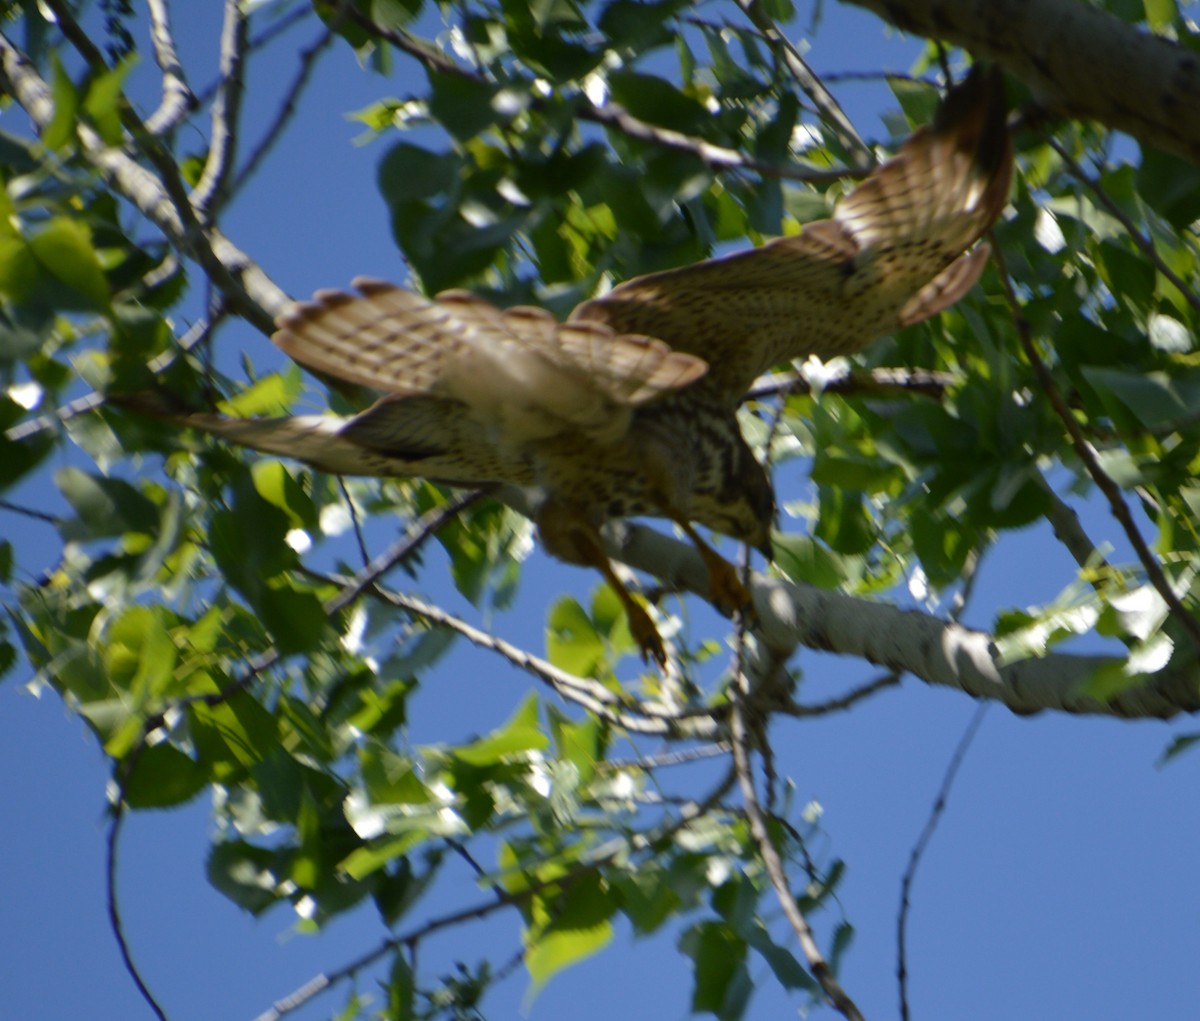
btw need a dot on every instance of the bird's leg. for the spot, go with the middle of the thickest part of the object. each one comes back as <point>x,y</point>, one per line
<point>570,536</point>
<point>725,588</point>
<point>641,627</point>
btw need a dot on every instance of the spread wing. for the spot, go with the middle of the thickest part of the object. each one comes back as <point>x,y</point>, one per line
<point>893,253</point>
<point>517,373</point>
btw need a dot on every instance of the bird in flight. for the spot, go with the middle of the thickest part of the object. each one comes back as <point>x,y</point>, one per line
<point>629,407</point>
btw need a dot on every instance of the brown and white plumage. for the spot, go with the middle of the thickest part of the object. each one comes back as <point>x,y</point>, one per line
<point>628,408</point>
<point>894,252</point>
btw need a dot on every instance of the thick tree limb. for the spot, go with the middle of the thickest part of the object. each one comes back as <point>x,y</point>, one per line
<point>932,649</point>
<point>1080,61</point>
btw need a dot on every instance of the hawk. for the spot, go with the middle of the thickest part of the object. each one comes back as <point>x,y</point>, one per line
<point>629,407</point>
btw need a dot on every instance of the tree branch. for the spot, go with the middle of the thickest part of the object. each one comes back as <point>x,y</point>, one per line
<point>1079,60</point>
<point>934,650</point>
<point>739,731</point>
<point>213,188</point>
<point>177,99</point>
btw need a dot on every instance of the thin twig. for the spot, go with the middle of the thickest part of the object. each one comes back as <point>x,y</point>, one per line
<point>428,524</point>
<point>287,109</point>
<point>358,530</point>
<point>115,921</point>
<point>213,188</point>
<point>971,574</point>
<point>614,116</point>
<point>638,717</point>
<point>177,99</point>
<point>29,512</point>
<point>818,965</point>
<point>663,759</point>
<point>843,702</point>
<point>162,199</point>
<point>918,851</point>
<point>1087,455</point>
<point>264,38</point>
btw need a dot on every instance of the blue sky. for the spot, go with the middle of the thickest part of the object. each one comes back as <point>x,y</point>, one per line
<point>1061,883</point>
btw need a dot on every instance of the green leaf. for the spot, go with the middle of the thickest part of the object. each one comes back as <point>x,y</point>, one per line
<point>233,735</point>
<point>782,962</point>
<point>279,488</point>
<point>572,642</point>
<point>581,744</point>
<point>163,777</point>
<point>568,928</point>
<point>520,733</point>
<point>140,655</point>
<point>247,875</point>
<point>657,101</point>
<point>1153,397</point>
<point>844,523</point>
<point>272,395</point>
<point>104,507</point>
<point>721,983</point>
<point>1179,744</point>
<point>1168,334</point>
<point>801,558</point>
<point>103,101</point>
<point>401,991</point>
<point>1170,185</point>
<point>463,106</point>
<point>64,248</point>
<point>392,778</point>
<point>407,172</point>
<point>65,97</point>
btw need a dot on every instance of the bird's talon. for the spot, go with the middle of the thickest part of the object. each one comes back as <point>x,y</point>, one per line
<point>649,642</point>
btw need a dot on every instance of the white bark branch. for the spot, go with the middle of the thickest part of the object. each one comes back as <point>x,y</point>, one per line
<point>1080,61</point>
<point>928,647</point>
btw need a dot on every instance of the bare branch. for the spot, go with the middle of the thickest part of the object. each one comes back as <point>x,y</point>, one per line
<point>1087,455</point>
<point>177,99</point>
<point>113,904</point>
<point>646,841</point>
<point>213,188</point>
<point>918,851</point>
<point>287,109</point>
<point>263,39</point>
<point>1080,60</point>
<point>843,702</point>
<point>612,115</point>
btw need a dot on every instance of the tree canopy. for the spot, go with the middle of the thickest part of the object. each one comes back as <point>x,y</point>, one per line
<point>249,628</point>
